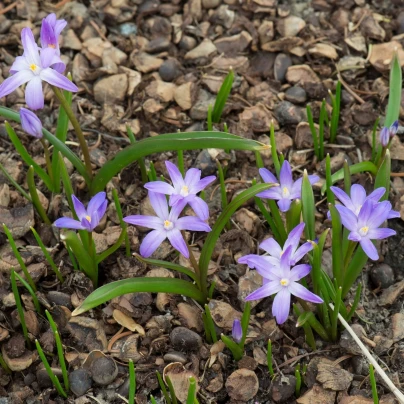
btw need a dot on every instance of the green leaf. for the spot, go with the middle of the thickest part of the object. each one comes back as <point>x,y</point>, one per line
<point>395,85</point>
<point>222,96</point>
<point>105,254</point>
<point>336,105</point>
<point>18,303</point>
<point>337,258</point>
<point>322,123</point>
<point>383,175</point>
<point>274,152</point>
<point>133,285</point>
<point>31,292</point>
<point>34,196</point>
<point>170,142</point>
<point>234,348</point>
<point>313,131</point>
<point>353,169</point>
<point>308,208</point>
<point>330,194</point>
<point>221,221</point>
<point>191,391</point>
<point>354,269</point>
<point>132,382</point>
<point>293,215</point>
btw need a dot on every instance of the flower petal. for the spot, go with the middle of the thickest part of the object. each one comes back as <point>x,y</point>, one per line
<point>151,242</point>
<point>281,305</point>
<point>151,222</point>
<point>301,292</point>
<point>343,198</point>
<point>366,212</point>
<point>299,271</point>
<point>48,56</point>
<point>79,208</point>
<point>284,204</point>
<point>59,26</point>
<point>178,242</point>
<point>20,63</point>
<point>348,218</point>
<point>192,177</point>
<point>264,291</point>
<point>293,239</point>
<point>285,177</point>
<point>271,246</point>
<point>267,176</point>
<point>369,249</point>
<point>68,223</point>
<point>358,195</point>
<point>175,175</point>
<point>192,223</point>
<point>16,80</point>
<point>273,193</point>
<point>47,35</point>
<point>301,252</point>
<point>160,187</point>
<point>95,202</point>
<point>175,198</point>
<point>203,183</point>
<point>313,179</point>
<point>296,191</point>
<point>34,94</point>
<point>354,236</point>
<point>101,210</point>
<point>380,234</point>
<point>379,214</point>
<point>30,47</point>
<point>200,207</point>
<point>159,204</point>
<point>393,214</point>
<point>377,194</point>
<point>58,80</point>
<point>30,123</point>
<point>285,261</point>
<point>177,209</point>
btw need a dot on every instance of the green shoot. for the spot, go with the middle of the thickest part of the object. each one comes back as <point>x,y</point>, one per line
<point>298,380</point>
<point>121,222</point>
<point>191,391</point>
<point>163,388</point>
<point>20,309</point>
<point>373,384</point>
<point>34,196</point>
<point>222,97</point>
<point>269,359</point>
<point>132,382</point>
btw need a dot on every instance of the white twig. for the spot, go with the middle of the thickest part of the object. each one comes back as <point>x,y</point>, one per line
<point>371,359</point>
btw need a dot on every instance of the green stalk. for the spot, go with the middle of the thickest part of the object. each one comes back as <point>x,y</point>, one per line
<point>373,384</point>
<point>269,359</point>
<point>273,207</point>
<point>140,161</point>
<point>79,133</point>
<point>347,178</point>
<point>223,193</point>
<point>355,303</point>
<point>132,382</point>
<point>47,159</point>
<point>4,365</point>
<point>298,377</point>
<point>268,218</point>
<point>374,149</point>
<point>163,388</point>
<point>121,222</point>
<point>31,292</point>
<point>330,194</point>
<point>293,215</point>
<point>313,131</point>
<point>245,320</point>
<point>338,301</point>
<point>274,152</point>
<point>307,329</point>
<point>191,391</point>
<point>180,158</point>
<point>323,113</point>
<point>210,324</point>
<point>34,196</point>
<point>172,391</point>
<point>20,309</point>
<point>14,183</point>
<point>336,240</point>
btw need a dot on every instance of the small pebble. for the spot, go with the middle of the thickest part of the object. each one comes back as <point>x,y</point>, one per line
<point>104,370</point>
<point>281,65</point>
<point>170,70</point>
<point>128,29</point>
<point>283,388</point>
<point>15,346</point>
<point>205,163</point>
<point>60,299</point>
<point>80,381</point>
<point>296,95</point>
<point>44,379</point>
<point>123,389</point>
<point>288,114</point>
<point>185,340</point>
<point>382,275</point>
<point>175,356</point>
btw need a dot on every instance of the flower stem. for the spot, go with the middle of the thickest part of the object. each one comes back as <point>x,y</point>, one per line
<point>47,158</point>
<point>349,252</point>
<point>91,250</point>
<point>77,129</point>
<point>195,266</point>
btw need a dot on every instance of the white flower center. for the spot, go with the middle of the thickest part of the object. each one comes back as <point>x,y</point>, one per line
<point>184,191</point>
<point>284,282</point>
<point>363,231</point>
<point>285,192</point>
<point>168,225</point>
<point>88,218</point>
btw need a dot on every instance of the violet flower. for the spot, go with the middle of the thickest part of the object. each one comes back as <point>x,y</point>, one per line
<point>386,134</point>
<point>365,227</point>
<point>89,218</point>
<point>30,123</point>
<point>287,190</point>
<point>262,263</point>
<point>237,331</point>
<point>283,280</point>
<point>358,197</point>
<point>165,225</point>
<point>184,190</point>
<point>33,67</point>
<point>50,32</point>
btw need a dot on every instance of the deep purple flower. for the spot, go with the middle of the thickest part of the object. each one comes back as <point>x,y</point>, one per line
<point>30,123</point>
<point>262,263</point>
<point>165,225</point>
<point>50,31</point>
<point>358,198</point>
<point>287,190</point>
<point>283,280</point>
<point>33,67</point>
<point>365,227</point>
<point>237,331</point>
<point>184,190</point>
<point>88,218</point>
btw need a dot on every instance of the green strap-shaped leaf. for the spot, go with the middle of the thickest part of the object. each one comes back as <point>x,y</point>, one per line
<point>133,285</point>
<point>383,175</point>
<point>393,107</point>
<point>308,207</point>
<point>170,142</point>
<point>222,96</point>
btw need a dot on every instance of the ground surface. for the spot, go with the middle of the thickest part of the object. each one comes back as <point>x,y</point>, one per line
<point>156,66</point>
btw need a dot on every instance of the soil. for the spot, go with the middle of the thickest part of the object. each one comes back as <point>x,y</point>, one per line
<point>156,66</point>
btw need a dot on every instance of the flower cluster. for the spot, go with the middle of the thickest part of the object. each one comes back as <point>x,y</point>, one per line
<point>279,273</point>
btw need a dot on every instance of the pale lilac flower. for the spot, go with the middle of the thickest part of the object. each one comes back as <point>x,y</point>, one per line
<point>262,263</point>
<point>283,280</point>
<point>358,197</point>
<point>30,123</point>
<point>287,190</point>
<point>50,32</point>
<point>365,227</point>
<point>165,225</point>
<point>237,331</point>
<point>89,218</point>
<point>33,67</point>
<point>184,190</point>
<point>386,134</point>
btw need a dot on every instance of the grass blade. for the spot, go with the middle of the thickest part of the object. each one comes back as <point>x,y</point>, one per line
<point>132,382</point>
<point>222,96</point>
<point>191,391</point>
<point>313,131</point>
<point>20,309</point>
<point>395,85</point>
<point>383,175</point>
<point>308,207</point>
<point>31,292</point>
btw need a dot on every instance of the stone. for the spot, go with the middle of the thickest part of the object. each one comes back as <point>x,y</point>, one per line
<point>247,283</point>
<point>161,91</point>
<point>246,362</point>
<point>299,74</point>
<point>391,294</point>
<point>187,43</point>
<point>170,70</point>
<point>382,276</point>
<point>175,356</point>
<point>304,137</point>
<point>382,55</point>
<point>283,388</point>
<point>80,381</point>
<point>204,49</point>
<point>104,370</point>
<point>397,326</point>
<point>18,220</point>
<point>357,42</point>
<point>199,110</point>
<point>258,118</point>
<point>348,343</point>
<point>223,314</point>
<point>43,378</point>
<point>205,163</point>
<point>71,41</point>
<point>15,346</point>
<point>234,44</point>
<point>190,317</point>
<point>157,45</point>
<point>210,3</point>
<point>60,299</point>
<point>336,162</point>
<point>111,90</point>
<point>296,95</point>
<point>288,114</point>
<point>88,332</point>
<point>323,50</point>
<point>290,26</point>
<point>317,395</point>
<point>18,364</point>
<point>185,95</point>
<point>281,65</point>
<point>184,339</point>
<point>4,195</point>
<point>266,32</point>
<point>146,63</point>
<point>333,377</point>
<point>242,385</point>
<point>286,44</point>
<point>400,23</point>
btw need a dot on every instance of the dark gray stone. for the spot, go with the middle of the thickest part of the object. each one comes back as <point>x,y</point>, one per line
<point>296,95</point>
<point>382,275</point>
<point>104,370</point>
<point>281,65</point>
<point>80,381</point>
<point>185,340</point>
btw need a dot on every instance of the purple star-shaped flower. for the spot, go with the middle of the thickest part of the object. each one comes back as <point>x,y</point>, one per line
<point>33,67</point>
<point>237,331</point>
<point>365,226</point>
<point>287,190</point>
<point>283,280</point>
<point>50,32</point>
<point>358,197</point>
<point>165,225</point>
<point>263,262</point>
<point>184,190</point>
<point>30,123</point>
<point>386,134</point>
<point>89,218</point>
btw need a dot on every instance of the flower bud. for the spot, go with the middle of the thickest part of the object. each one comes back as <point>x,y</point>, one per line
<point>30,123</point>
<point>384,136</point>
<point>237,332</point>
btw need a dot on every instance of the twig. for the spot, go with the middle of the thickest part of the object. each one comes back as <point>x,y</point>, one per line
<point>349,89</point>
<point>371,359</point>
<point>8,8</point>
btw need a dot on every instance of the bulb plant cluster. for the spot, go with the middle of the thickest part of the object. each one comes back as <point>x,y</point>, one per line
<point>291,259</point>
